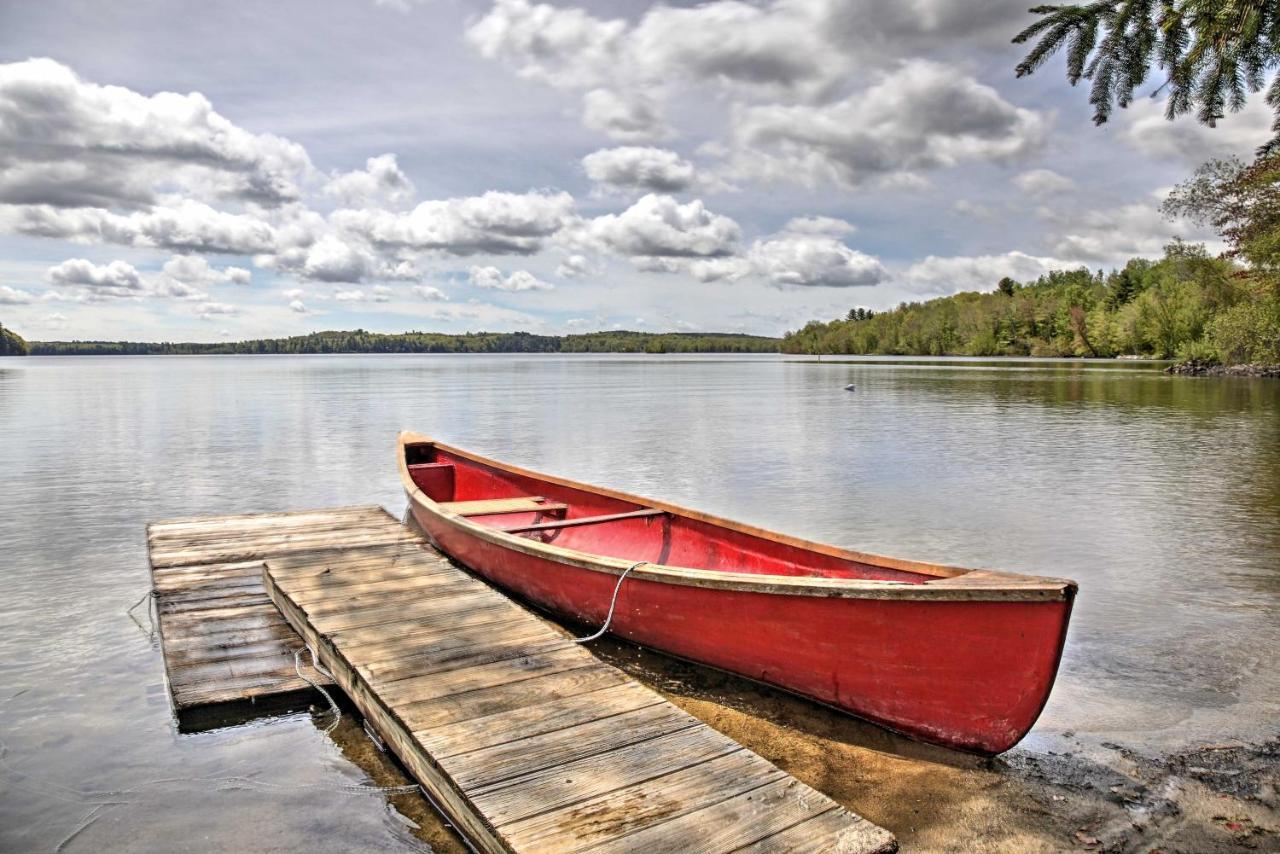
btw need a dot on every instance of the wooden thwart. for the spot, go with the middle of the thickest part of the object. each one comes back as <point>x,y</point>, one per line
<point>525,739</point>
<point>584,520</point>
<point>502,506</point>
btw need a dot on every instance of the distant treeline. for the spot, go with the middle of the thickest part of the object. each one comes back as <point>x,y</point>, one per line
<point>360,341</point>
<point>1187,305</point>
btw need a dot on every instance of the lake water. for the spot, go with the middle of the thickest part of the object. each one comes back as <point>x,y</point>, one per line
<point>1159,495</point>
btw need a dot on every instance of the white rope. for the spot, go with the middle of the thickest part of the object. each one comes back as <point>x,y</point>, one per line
<point>149,597</point>
<point>612,604</point>
<point>315,663</point>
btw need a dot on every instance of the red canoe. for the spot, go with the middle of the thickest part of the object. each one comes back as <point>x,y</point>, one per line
<point>963,658</point>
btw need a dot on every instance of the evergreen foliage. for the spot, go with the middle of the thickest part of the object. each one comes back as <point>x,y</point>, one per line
<point>1213,53</point>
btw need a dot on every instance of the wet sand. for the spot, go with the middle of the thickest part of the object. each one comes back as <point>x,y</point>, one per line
<point>1076,796</point>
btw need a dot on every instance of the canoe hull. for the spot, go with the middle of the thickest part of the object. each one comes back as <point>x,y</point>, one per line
<point>968,675</point>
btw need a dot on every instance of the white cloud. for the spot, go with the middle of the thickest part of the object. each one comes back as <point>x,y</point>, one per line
<point>729,269</point>
<point>379,293</point>
<point>787,50</point>
<point>117,279</point>
<point>806,253</point>
<point>1190,143</point>
<point>634,117</point>
<point>210,310</point>
<point>184,226</point>
<point>380,180</point>
<point>1043,182</point>
<point>566,47</point>
<point>430,294</point>
<point>659,226</point>
<point>574,266</point>
<point>966,208</point>
<point>920,117</point>
<point>521,280</point>
<point>313,253</point>
<point>949,275</point>
<point>640,168</point>
<point>195,270</point>
<point>661,264</point>
<point>298,306</point>
<point>814,260</point>
<point>494,223</point>
<point>68,143</point>
<point>333,260</point>
<point>180,279</point>
<point>777,47</point>
<point>166,287</point>
<point>14,296</point>
<point>1113,235</point>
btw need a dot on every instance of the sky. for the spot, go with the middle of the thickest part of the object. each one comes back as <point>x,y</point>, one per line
<point>230,170</point>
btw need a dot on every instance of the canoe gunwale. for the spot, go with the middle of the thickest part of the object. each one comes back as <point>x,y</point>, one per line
<point>949,583</point>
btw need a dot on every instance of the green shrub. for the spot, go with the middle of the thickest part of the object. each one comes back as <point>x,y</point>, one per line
<point>1199,350</point>
<point>1248,332</point>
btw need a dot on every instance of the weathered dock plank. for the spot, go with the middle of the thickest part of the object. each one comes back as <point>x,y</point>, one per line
<point>223,639</point>
<point>524,739</point>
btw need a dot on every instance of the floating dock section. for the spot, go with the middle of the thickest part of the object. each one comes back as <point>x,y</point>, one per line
<point>223,640</point>
<point>522,737</point>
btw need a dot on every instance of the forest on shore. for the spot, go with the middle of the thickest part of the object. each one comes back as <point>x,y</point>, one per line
<point>361,341</point>
<point>1187,305</point>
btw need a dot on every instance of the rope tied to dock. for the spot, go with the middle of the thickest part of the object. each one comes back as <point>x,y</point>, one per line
<point>612,604</point>
<point>149,597</point>
<point>315,663</point>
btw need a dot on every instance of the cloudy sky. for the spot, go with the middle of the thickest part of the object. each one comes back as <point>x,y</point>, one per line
<point>231,169</point>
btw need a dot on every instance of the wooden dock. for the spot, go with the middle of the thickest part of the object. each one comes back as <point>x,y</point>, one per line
<point>223,640</point>
<point>521,737</point>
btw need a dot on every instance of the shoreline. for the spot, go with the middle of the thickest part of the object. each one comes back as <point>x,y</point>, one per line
<point>1077,794</point>
<point>1199,368</point>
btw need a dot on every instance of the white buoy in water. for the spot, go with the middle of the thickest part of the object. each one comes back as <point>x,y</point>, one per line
<point>849,387</point>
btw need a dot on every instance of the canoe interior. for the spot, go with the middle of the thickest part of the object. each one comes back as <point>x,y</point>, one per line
<point>668,539</point>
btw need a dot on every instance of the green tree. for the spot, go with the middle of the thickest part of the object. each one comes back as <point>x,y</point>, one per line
<point>1241,202</point>
<point>1153,308</point>
<point>11,343</point>
<point>1213,53</point>
<point>1007,286</point>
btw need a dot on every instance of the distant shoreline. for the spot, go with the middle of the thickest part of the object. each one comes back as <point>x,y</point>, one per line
<point>361,341</point>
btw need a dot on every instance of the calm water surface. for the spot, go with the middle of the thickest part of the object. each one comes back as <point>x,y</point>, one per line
<point>1160,495</point>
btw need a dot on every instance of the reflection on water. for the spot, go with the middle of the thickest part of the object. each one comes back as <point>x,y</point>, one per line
<point>1160,495</point>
